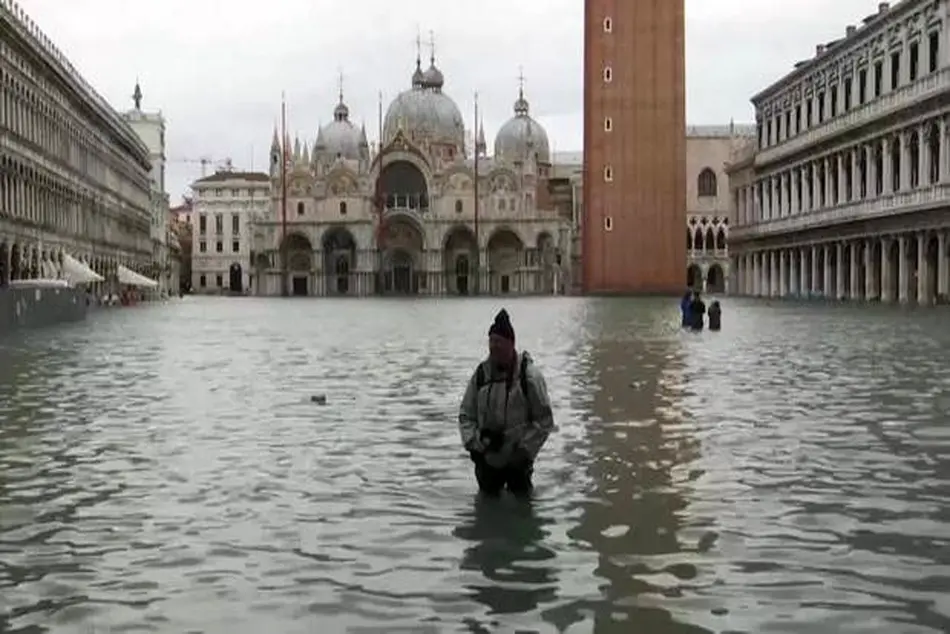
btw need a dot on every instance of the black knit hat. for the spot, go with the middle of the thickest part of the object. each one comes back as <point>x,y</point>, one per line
<point>502,326</point>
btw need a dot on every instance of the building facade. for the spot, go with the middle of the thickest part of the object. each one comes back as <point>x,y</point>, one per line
<point>845,195</point>
<point>223,209</point>
<point>73,174</point>
<point>634,147</point>
<point>423,214</point>
<point>709,150</point>
<point>150,126</point>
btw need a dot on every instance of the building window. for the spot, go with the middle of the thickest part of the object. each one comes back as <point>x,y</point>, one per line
<point>459,206</point>
<point>608,25</point>
<point>236,246</point>
<point>706,183</point>
<point>202,224</point>
<point>934,50</point>
<point>342,207</point>
<point>608,174</point>
<point>203,281</point>
<point>300,209</point>
<point>235,224</point>
<point>219,280</point>
<point>218,223</point>
<point>608,124</point>
<point>895,71</point>
<point>913,53</point>
<point>608,74</point>
<point>202,247</point>
<point>219,247</point>
<point>608,223</point>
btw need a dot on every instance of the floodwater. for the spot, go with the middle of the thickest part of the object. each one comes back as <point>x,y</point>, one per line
<point>163,469</point>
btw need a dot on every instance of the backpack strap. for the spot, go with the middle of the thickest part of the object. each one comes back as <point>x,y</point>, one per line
<point>523,376</point>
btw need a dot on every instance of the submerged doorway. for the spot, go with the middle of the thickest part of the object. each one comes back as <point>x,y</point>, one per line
<point>299,286</point>
<point>461,274</point>
<point>402,267</point>
<point>236,279</point>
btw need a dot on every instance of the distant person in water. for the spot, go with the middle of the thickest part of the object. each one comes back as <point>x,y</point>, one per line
<point>715,316</point>
<point>505,417</point>
<point>697,312</point>
<point>684,307</point>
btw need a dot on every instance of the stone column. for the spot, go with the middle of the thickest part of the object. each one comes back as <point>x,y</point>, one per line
<point>804,285</point>
<point>923,155</point>
<point>853,291</point>
<point>886,272</point>
<point>795,177</point>
<point>886,179</point>
<point>942,273</point>
<point>793,266</point>
<point>806,188</point>
<point>905,161</point>
<point>755,275</point>
<point>782,273</point>
<point>856,173</point>
<point>903,270</point>
<point>827,278</point>
<point>815,186</point>
<point>870,279</point>
<point>870,171</point>
<point>842,181</point>
<point>815,272</point>
<point>942,162</point>
<point>773,274</point>
<point>839,272</point>
<point>923,271</point>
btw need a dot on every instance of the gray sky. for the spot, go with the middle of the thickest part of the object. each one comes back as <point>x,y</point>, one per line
<point>216,68</point>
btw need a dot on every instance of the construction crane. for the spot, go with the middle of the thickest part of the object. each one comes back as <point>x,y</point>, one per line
<point>223,164</point>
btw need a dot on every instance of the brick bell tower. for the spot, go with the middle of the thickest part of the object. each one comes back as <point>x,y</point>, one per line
<point>634,215</point>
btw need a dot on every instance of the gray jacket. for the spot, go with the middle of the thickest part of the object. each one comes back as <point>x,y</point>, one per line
<point>493,407</point>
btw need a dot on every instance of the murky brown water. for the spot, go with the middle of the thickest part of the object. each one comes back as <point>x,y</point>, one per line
<point>162,469</point>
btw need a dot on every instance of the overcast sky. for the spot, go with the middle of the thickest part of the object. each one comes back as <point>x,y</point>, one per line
<point>216,68</point>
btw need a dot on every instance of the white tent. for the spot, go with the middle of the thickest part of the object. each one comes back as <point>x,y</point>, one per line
<point>77,272</point>
<point>131,278</point>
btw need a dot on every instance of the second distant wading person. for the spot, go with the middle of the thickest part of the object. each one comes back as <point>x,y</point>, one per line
<point>505,416</point>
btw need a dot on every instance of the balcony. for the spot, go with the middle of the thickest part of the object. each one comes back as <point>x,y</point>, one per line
<point>924,88</point>
<point>884,206</point>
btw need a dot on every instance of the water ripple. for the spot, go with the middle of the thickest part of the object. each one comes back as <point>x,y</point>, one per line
<point>165,469</point>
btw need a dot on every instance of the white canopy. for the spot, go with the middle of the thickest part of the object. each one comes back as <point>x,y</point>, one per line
<point>131,278</point>
<point>76,272</point>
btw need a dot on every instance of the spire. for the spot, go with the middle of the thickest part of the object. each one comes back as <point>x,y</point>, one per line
<point>341,112</point>
<point>275,142</point>
<point>417,77</point>
<point>305,158</point>
<point>137,95</point>
<point>432,49</point>
<point>433,77</point>
<point>521,105</point>
<point>480,145</point>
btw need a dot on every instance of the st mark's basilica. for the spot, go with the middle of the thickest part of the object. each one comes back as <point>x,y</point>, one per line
<point>421,214</point>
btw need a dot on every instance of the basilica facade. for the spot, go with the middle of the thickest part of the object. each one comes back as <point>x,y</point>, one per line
<point>420,214</point>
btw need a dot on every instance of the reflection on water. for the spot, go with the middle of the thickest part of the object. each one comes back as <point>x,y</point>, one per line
<point>163,469</point>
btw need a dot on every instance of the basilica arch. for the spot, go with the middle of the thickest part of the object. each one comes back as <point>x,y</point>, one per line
<point>403,185</point>
<point>460,261</point>
<point>402,246</point>
<point>298,251</point>
<point>546,254</point>
<point>506,254</point>
<point>339,261</point>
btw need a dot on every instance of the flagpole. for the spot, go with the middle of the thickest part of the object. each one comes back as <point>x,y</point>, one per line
<point>478,249</point>
<point>284,291</point>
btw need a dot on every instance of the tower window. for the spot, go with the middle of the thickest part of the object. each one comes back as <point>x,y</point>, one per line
<point>608,25</point>
<point>608,174</point>
<point>608,223</point>
<point>608,124</point>
<point>300,209</point>
<point>342,207</point>
<point>608,74</point>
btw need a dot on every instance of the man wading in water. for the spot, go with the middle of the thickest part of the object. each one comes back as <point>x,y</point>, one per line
<point>505,416</point>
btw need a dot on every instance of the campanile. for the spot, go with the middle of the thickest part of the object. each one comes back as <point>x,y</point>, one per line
<point>634,216</point>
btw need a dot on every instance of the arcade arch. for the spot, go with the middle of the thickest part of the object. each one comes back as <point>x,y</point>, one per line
<point>339,261</point>
<point>403,248</point>
<point>403,186</point>
<point>298,251</point>
<point>460,261</point>
<point>505,258</point>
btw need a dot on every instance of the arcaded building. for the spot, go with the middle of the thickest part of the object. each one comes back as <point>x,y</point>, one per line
<point>634,146</point>
<point>846,192</point>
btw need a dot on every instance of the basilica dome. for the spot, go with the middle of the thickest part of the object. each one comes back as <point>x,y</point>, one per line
<point>340,138</point>
<point>521,136</point>
<point>424,112</point>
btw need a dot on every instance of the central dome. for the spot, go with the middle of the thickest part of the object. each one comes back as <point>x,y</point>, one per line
<point>340,138</point>
<point>424,112</point>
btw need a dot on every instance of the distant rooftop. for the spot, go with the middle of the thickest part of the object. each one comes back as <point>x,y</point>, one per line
<point>227,175</point>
